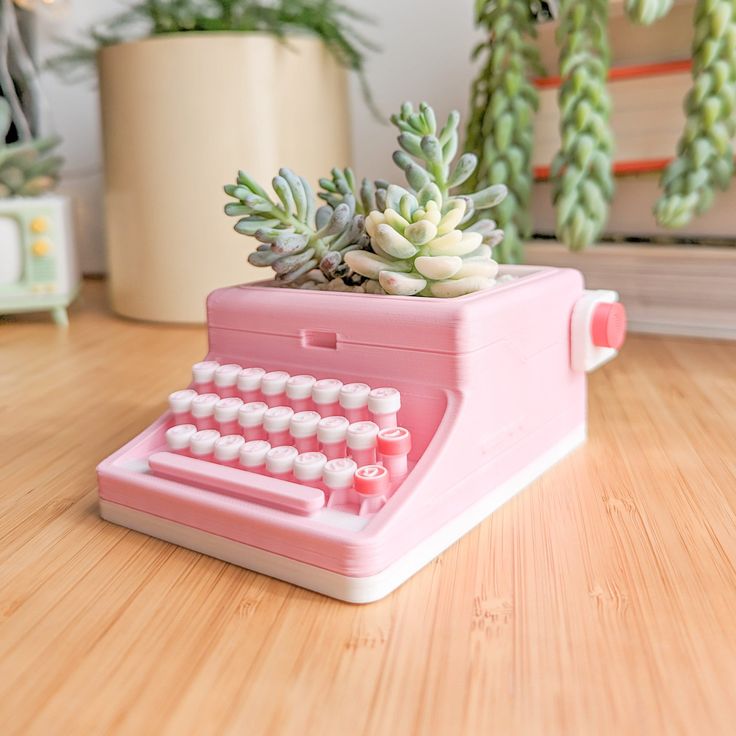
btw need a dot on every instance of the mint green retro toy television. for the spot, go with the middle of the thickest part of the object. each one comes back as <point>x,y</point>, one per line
<point>38,268</point>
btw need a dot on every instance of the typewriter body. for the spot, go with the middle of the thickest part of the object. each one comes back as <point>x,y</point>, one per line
<point>493,392</point>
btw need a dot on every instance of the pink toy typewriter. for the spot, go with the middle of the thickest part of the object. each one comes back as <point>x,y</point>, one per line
<point>341,441</point>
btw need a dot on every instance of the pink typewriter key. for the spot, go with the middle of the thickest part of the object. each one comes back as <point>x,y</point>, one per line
<point>276,422</point>
<point>303,428</point>
<point>179,436</point>
<point>338,474</point>
<point>361,441</point>
<point>250,419</point>
<point>253,455</point>
<point>308,468</point>
<point>384,403</point>
<point>226,380</point>
<point>203,375</point>
<point>394,445</point>
<point>331,433</point>
<point>326,396</point>
<point>273,388</point>
<point>203,410</point>
<point>354,401</point>
<point>202,443</point>
<point>372,480</point>
<point>249,383</point>
<point>280,461</point>
<point>226,415</point>
<point>227,449</point>
<point>299,392</point>
<point>180,403</point>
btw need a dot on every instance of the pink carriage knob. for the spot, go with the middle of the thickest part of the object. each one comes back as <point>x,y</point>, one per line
<point>227,449</point>
<point>250,419</point>
<point>338,474</point>
<point>276,421</point>
<point>226,380</point>
<point>180,403</point>
<point>372,480</point>
<point>354,401</point>
<point>203,376</point>
<point>299,392</point>
<point>253,455</point>
<point>384,404</point>
<point>326,395</point>
<point>331,433</point>
<point>202,443</point>
<point>608,326</point>
<point>303,429</point>
<point>361,442</point>
<point>203,410</point>
<point>249,383</point>
<point>273,388</point>
<point>280,461</point>
<point>226,415</point>
<point>308,467</point>
<point>394,445</point>
<point>179,436</point>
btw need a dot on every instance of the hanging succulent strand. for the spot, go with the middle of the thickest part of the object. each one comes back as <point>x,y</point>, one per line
<point>9,36</point>
<point>705,153</point>
<point>501,127</point>
<point>646,12</point>
<point>582,170</point>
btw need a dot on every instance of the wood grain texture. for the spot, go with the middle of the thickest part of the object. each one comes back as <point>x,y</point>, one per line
<point>599,601</point>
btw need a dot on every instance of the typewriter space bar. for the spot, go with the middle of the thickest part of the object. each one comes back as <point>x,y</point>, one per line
<point>280,494</point>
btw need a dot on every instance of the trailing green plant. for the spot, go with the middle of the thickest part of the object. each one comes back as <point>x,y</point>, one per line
<point>581,171</point>
<point>705,152</point>
<point>647,11</point>
<point>503,102</point>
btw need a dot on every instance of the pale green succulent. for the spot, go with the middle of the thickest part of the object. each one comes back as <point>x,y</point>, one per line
<point>27,169</point>
<point>647,11</point>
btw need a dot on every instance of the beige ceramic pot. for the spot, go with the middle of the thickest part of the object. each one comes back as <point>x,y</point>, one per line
<point>181,115</point>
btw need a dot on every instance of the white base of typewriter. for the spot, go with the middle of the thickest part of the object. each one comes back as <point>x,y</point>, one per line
<point>352,590</point>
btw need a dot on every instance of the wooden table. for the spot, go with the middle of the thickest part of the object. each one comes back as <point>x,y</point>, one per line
<point>600,600</point>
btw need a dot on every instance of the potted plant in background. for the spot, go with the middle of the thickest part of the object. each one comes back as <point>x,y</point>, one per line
<point>186,87</point>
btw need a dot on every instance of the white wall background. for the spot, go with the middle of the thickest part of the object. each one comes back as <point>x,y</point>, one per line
<point>425,56</point>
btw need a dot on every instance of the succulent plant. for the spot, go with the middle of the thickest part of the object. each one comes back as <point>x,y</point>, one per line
<point>705,153</point>
<point>27,168</point>
<point>647,11</point>
<point>422,239</point>
<point>503,101</point>
<point>305,245</point>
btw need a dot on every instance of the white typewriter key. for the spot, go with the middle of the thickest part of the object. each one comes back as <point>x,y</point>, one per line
<point>331,433</point>
<point>227,449</point>
<point>361,441</point>
<point>280,461</point>
<point>394,445</point>
<point>308,468</point>
<point>384,403</point>
<point>338,474</point>
<point>273,387</point>
<point>226,380</point>
<point>276,421</point>
<point>326,396</point>
<point>203,375</point>
<point>202,443</point>
<point>299,392</point>
<point>203,410</point>
<point>354,401</point>
<point>249,383</point>
<point>253,455</point>
<point>303,428</point>
<point>226,415</point>
<point>180,403</point>
<point>250,419</point>
<point>178,437</point>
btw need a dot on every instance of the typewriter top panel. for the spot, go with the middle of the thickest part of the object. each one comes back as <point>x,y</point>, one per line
<point>407,323</point>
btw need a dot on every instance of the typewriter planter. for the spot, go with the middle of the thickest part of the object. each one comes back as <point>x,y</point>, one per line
<point>473,446</point>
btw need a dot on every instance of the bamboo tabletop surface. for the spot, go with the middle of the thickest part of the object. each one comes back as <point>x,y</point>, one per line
<point>601,600</point>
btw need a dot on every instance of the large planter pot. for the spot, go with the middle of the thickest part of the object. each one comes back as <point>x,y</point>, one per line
<point>180,115</point>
